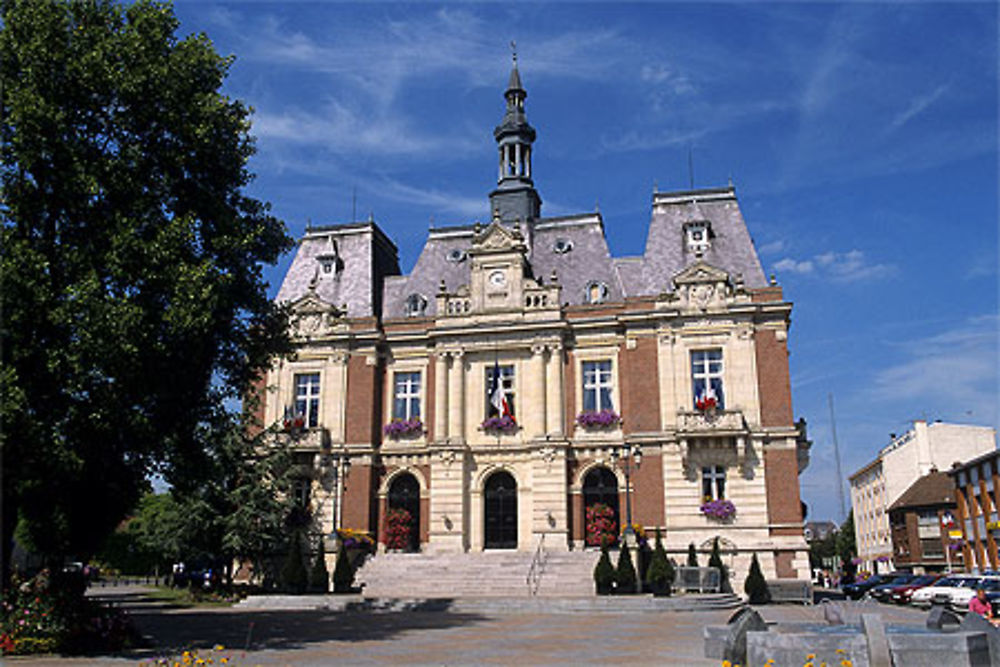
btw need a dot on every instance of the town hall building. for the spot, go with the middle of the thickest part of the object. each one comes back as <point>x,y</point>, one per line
<point>520,374</point>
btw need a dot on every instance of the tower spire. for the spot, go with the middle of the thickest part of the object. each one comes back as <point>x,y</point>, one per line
<point>515,196</point>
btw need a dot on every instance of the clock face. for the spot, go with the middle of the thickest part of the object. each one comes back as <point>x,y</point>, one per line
<point>498,279</point>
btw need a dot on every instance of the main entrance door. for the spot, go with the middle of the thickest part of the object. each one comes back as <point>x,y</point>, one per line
<point>404,494</point>
<point>600,487</point>
<point>501,511</point>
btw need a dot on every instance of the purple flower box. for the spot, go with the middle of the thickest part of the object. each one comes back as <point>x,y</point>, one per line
<point>504,424</point>
<point>400,427</point>
<point>720,510</point>
<point>602,419</point>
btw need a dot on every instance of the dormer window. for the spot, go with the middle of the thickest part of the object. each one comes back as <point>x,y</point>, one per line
<point>597,292</point>
<point>456,256</point>
<point>329,258</point>
<point>416,304</point>
<point>698,236</point>
<point>562,246</point>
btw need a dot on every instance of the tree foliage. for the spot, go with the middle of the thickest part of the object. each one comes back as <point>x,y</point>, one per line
<point>132,295</point>
<point>692,560</point>
<point>625,577</point>
<point>604,572</point>
<point>660,573</point>
<point>755,585</point>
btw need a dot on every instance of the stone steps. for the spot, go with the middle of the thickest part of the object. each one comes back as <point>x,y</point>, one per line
<point>486,574</point>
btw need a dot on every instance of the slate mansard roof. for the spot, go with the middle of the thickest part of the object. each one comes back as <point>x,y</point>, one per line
<point>574,247</point>
<point>356,265</point>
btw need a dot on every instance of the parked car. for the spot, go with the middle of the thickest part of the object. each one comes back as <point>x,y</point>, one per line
<point>959,599</point>
<point>902,594</point>
<point>941,591</point>
<point>856,590</point>
<point>883,591</point>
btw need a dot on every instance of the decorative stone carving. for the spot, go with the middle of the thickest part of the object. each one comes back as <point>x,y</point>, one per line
<point>313,318</point>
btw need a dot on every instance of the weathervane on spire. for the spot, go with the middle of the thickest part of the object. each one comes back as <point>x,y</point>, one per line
<point>513,51</point>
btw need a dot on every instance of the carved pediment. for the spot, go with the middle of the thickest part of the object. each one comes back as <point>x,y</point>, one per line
<point>702,286</point>
<point>313,317</point>
<point>700,272</point>
<point>497,238</point>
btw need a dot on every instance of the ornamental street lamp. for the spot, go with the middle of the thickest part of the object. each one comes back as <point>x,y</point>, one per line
<point>333,468</point>
<point>627,455</point>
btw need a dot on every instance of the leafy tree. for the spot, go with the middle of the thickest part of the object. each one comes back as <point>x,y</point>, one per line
<point>755,585</point>
<point>343,573</point>
<point>625,577</point>
<point>319,576</point>
<point>715,560</point>
<point>847,548</point>
<point>132,295</point>
<point>151,540</point>
<point>293,573</point>
<point>692,556</point>
<point>660,573</point>
<point>604,572</point>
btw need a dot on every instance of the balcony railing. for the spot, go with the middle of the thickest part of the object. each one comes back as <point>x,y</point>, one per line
<point>312,439</point>
<point>714,421</point>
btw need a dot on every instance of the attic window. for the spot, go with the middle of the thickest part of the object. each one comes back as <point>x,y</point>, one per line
<point>416,304</point>
<point>562,246</point>
<point>456,256</point>
<point>597,292</point>
<point>698,236</point>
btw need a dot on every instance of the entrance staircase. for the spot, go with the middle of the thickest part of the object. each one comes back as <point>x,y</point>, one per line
<point>478,575</point>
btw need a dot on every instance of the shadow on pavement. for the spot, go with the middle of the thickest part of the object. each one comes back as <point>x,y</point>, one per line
<point>257,630</point>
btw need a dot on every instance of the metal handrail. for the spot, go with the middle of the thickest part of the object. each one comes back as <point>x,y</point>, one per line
<point>534,578</point>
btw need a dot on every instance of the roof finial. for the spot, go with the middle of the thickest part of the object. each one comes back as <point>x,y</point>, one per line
<point>513,51</point>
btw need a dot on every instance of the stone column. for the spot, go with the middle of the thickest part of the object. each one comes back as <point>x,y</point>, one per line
<point>535,395</point>
<point>518,168</point>
<point>554,392</point>
<point>456,398</point>
<point>440,397</point>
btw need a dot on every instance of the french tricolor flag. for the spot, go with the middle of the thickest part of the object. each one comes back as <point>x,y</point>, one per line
<point>498,398</point>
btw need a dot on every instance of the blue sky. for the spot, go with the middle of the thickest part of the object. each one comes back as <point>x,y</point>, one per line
<point>862,140</point>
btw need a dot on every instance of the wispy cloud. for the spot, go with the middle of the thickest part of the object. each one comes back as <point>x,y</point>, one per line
<point>342,128</point>
<point>847,267</point>
<point>772,248</point>
<point>953,373</point>
<point>917,106</point>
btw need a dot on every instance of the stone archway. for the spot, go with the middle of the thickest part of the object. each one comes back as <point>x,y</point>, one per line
<point>404,494</point>
<point>500,511</point>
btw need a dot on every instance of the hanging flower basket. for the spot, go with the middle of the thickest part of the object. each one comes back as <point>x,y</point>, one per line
<point>398,528</point>
<point>504,424</point>
<point>601,527</point>
<point>398,428</point>
<point>602,419</point>
<point>882,559</point>
<point>719,510</point>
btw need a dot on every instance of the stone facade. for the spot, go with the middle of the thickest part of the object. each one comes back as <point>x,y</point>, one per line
<point>572,331</point>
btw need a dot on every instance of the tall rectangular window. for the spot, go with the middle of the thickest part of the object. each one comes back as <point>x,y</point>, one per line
<point>706,376</point>
<point>307,398</point>
<point>597,386</point>
<point>713,482</point>
<point>406,396</point>
<point>507,389</point>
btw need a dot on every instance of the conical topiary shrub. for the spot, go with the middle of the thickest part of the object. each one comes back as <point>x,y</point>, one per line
<point>343,573</point>
<point>755,585</point>
<point>692,556</point>
<point>319,576</point>
<point>625,579</point>
<point>604,573</point>
<point>293,572</point>
<point>715,560</point>
<point>660,574</point>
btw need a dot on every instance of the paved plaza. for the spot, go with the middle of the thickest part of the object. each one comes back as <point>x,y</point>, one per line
<point>276,637</point>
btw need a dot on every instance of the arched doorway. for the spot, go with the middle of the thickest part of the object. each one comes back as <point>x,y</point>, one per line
<point>404,494</point>
<point>500,512</point>
<point>600,487</point>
